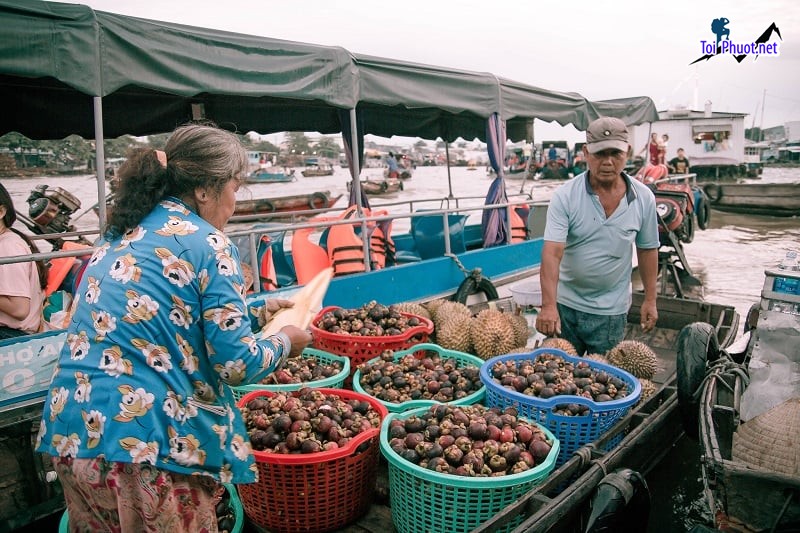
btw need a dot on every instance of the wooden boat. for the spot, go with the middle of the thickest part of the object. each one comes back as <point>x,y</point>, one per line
<point>561,502</point>
<point>236,87</point>
<point>286,204</point>
<point>769,199</point>
<point>378,187</point>
<point>748,423</point>
<point>317,170</point>
<point>265,176</point>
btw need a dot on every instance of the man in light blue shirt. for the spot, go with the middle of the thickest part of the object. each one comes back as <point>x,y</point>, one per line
<point>593,223</point>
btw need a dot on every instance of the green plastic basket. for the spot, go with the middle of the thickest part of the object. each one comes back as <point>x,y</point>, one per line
<point>235,505</point>
<point>462,359</point>
<point>424,500</point>
<point>332,382</point>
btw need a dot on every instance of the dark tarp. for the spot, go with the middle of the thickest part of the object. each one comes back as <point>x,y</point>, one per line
<point>55,57</point>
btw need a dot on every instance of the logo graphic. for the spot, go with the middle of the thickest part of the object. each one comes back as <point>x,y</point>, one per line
<point>724,45</point>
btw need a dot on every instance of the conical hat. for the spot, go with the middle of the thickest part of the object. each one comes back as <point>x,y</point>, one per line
<point>769,441</point>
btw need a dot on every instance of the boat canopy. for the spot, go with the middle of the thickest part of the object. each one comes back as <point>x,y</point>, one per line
<point>153,75</point>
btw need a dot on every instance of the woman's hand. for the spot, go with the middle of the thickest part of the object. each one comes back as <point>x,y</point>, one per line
<point>271,307</point>
<point>300,339</point>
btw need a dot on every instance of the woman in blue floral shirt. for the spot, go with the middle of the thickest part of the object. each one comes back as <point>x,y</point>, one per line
<point>139,403</point>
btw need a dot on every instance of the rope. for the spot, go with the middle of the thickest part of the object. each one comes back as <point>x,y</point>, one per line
<point>476,272</point>
<point>719,368</point>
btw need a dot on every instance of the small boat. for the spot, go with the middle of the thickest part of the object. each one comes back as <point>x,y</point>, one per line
<point>317,170</point>
<point>770,199</point>
<point>286,204</point>
<point>377,187</point>
<point>267,176</point>
<point>749,415</point>
<point>644,435</point>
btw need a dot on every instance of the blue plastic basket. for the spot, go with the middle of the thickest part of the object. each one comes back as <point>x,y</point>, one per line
<point>424,500</point>
<point>333,382</point>
<point>235,506</point>
<point>462,360</point>
<point>571,431</point>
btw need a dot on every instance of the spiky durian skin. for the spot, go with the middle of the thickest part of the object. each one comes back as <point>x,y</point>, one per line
<point>447,310</point>
<point>561,344</point>
<point>648,389</point>
<point>635,357</point>
<point>414,309</point>
<point>454,333</point>
<point>491,334</point>
<point>596,357</point>
<point>520,327</point>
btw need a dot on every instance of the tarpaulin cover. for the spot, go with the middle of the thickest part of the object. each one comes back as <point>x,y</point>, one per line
<point>55,57</point>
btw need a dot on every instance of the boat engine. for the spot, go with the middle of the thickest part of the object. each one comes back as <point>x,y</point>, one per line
<point>674,206</point>
<point>50,209</point>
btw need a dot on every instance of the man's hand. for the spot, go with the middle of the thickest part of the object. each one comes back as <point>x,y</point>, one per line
<point>649,315</point>
<point>548,322</point>
<point>271,307</point>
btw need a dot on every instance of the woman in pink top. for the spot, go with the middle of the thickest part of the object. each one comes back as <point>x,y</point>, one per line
<point>21,284</point>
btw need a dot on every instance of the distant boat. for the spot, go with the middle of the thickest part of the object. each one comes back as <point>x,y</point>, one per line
<point>318,170</point>
<point>770,199</point>
<point>268,176</point>
<point>377,187</point>
<point>285,204</point>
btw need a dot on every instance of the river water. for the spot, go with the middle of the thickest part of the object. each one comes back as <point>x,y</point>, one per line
<point>730,258</point>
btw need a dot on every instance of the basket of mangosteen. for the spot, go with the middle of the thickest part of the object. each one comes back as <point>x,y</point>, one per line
<point>366,332</point>
<point>229,511</point>
<point>453,467</point>
<point>421,376</point>
<point>578,399</point>
<point>316,452</point>
<point>314,368</point>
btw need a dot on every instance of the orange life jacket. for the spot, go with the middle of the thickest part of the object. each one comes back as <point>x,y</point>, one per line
<point>519,226</point>
<point>309,258</point>
<point>346,248</point>
<point>266,268</point>
<point>60,267</point>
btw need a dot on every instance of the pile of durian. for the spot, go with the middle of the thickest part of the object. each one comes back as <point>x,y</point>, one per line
<point>489,333</point>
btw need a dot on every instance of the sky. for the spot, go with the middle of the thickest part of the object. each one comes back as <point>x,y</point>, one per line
<point>600,49</point>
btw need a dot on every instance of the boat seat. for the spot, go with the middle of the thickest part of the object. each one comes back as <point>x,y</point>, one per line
<point>428,234</point>
<point>473,236</point>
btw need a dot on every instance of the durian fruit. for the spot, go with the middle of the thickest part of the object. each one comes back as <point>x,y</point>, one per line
<point>634,357</point>
<point>453,333</point>
<point>448,310</point>
<point>491,334</point>
<point>600,358</point>
<point>560,344</point>
<point>520,327</point>
<point>414,309</point>
<point>433,305</point>
<point>648,389</point>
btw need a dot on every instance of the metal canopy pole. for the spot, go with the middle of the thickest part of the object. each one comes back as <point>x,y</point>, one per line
<point>100,161</point>
<point>365,237</point>
<point>449,182</point>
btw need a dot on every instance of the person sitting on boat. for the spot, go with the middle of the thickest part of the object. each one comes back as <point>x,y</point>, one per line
<point>593,222</point>
<point>141,423</point>
<point>662,149</point>
<point>21,284</point>
<point>391,162</point>
<point>679,164</point>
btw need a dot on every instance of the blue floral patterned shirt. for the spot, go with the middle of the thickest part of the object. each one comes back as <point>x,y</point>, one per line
<point>159,331</point>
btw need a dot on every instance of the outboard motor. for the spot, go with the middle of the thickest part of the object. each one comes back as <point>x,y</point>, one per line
<point>621,504</point>
<point>50,209</point>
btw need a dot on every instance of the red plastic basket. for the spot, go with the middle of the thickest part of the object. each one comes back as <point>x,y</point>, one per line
<point>314,492</point>
<point>361,349</point>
